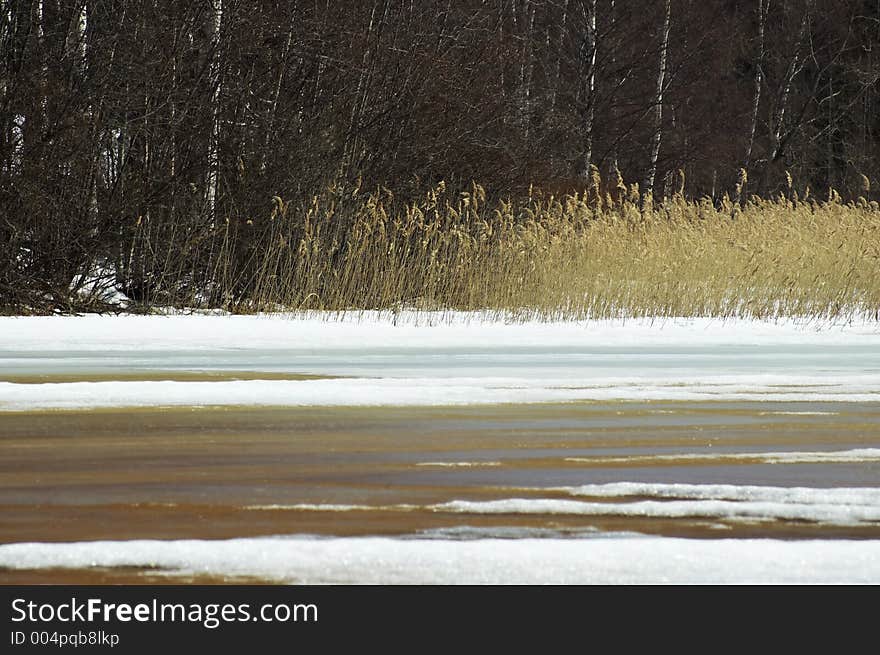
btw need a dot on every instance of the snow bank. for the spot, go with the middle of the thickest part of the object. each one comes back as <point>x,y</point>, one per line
<point>366,330</point>
<point>855,455</point>
<point>414,360</point>
<point>383,560</point>
<point>414,392</point>
<point>841,506</point>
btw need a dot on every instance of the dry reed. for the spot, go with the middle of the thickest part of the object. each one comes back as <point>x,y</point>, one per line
<point>590,255</point>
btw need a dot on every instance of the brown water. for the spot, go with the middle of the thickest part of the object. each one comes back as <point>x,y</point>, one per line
<point>214,473</point>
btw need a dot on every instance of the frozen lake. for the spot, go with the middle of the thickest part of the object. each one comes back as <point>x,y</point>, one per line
<point>368,360</point>
<point>428,448</point>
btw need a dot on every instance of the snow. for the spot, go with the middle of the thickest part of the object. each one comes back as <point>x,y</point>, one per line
<point>365,330</point>
<point>409,392</point>
<point>825,513</point>
<point>425,359</point>
<point>384,560</point>
<point>841,506</point>
<point>466,359</point>
<point>855,455</point>
<point>842,496</point>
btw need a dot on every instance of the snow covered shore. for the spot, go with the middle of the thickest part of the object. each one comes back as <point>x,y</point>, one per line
<point>605,559</point>
<point>425,359</point>
<point>413,330</point>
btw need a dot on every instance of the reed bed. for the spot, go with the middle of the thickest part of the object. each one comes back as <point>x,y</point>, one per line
<point>605,253</point>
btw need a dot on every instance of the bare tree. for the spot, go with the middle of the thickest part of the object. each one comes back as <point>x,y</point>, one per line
<point>648,185</point>
<point>762,9</point>
<point>133,133</point>
<point>212,24</point>
<point>587,60</point>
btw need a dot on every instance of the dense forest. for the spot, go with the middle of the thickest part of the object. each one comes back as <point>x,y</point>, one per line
<point>238,153</point>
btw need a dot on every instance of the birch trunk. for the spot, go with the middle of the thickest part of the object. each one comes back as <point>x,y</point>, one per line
<point>648,186</point>
<point>273,107</point>
<point>361,96</point>
<point>557,76</point>
<point>763,9</point>
<point>616,81</point>
<point>776,123</point>
<point>213,23</point>
<point>34,120</point>
<point>526,68</point>
<point>588,96</point>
